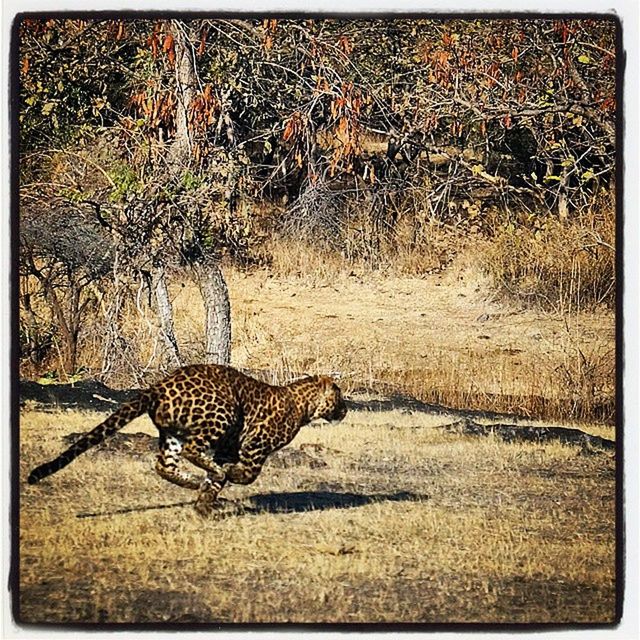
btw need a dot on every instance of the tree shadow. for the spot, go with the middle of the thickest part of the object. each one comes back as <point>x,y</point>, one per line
<point>397,401</point>
<point>87,395</point>
<point>602,410</point>
<point>300,501</point>
<point>92,395</point>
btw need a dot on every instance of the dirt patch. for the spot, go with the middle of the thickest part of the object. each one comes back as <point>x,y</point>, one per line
<point>172,606</point>
<point>293,457</point>
<point>533,600</point>
<point>442,339</point>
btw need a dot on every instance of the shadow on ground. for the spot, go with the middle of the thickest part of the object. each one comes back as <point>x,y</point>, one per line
<point>299,501</point>
<point>408,404</point>
<point>282,502</point>
<point>95,396</point>
<point>88,395</point>
<point>91,395</point>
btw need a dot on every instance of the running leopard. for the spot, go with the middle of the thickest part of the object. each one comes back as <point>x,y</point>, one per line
<point>220,420</point>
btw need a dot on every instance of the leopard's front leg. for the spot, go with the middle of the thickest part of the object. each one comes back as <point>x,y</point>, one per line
<point>198,451</point>
<point>207,501</point>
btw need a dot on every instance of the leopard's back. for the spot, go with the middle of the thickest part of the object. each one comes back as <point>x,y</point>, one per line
<point>194,395</point>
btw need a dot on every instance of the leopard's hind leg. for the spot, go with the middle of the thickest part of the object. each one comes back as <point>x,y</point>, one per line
<point>168,461</point>
<point>199,451</point>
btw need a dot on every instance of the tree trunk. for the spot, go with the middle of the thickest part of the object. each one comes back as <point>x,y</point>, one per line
<point>215,295</point>
<point>165,313</point>
<point>186,87</point>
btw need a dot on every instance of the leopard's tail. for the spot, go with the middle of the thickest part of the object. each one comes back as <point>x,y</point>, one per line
<point>116,421</point>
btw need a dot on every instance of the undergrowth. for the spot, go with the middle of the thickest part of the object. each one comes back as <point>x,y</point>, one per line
<point>535,259</point>
<point>563,265</point>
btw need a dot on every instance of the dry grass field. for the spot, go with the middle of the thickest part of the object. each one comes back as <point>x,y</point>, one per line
<point>385,517</point>
<point>382,518</point>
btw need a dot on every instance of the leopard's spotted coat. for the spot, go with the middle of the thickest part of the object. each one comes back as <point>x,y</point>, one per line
<point>218,418</point>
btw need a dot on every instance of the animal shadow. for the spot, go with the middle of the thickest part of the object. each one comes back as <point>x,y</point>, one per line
<point>300,501</point>
<point>285,502</point>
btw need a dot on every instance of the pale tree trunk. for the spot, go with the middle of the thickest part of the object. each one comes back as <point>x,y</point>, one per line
<point>165,314</point>
<point>186,88</point>
<point>178,159</point>
<point>215,294</point>
<point>210,279</point>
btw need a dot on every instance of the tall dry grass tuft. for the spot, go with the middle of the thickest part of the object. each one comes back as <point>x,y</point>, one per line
<point>295,258</point>
<point>328,233</point>
<point>580,388</point>
<point>564,265</point>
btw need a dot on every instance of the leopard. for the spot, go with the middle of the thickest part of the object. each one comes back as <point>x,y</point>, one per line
<point>220,420</point>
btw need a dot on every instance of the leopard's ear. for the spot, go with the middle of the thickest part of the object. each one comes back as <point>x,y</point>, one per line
<point>331,389</point>
<point>324,382</point>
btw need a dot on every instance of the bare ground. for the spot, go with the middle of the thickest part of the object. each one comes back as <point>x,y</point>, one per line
<point>442,338</point>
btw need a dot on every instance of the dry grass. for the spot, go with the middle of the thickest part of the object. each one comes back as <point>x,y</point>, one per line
<point>410,250</point>
<point>411,322</point>
<point>394,521</point>
<point>566,265</point>
<point>383,518</point>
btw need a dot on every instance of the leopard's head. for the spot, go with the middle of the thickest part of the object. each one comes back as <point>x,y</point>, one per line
<point>331,405</point>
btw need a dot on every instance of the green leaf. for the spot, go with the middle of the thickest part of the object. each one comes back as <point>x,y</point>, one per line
<point>587,175</point>
<point>552,178</point>
<point>584,59</point>
<point>48,108</point>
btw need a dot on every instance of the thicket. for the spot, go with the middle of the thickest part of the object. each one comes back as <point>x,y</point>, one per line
<point>179,144</point>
